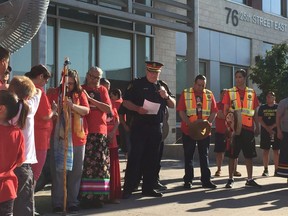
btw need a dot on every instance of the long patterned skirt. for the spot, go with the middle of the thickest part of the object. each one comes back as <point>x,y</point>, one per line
<point>96,175</point>
<point>283,157</point>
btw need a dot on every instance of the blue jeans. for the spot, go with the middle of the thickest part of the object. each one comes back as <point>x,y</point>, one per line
<point>73,180</point>
<point>24,203</point>
<point>189,146</point>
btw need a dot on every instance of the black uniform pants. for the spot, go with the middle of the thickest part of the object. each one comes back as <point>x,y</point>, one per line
<point>144,156</point>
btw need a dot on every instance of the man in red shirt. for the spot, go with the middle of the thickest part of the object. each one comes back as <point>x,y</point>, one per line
<point>194,104</point>
<point>243,99</point>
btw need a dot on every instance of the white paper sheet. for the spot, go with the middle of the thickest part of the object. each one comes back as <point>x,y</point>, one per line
<point>152,107</point>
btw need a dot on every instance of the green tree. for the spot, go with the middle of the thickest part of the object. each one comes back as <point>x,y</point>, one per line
<point>270,72</point>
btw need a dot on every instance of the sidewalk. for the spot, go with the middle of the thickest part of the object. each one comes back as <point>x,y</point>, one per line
<point>272,199</point>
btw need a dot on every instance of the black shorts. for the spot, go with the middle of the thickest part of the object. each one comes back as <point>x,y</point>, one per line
<point>265,141</point>
<point>245,142</point>
<point>220,143</point>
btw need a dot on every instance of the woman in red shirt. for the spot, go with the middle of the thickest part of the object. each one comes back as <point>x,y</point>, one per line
<point>78,105</point>
<point>96,176</point>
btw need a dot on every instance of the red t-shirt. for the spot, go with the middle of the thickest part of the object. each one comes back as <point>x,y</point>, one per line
<point>226,100</point>
<point>96,119</point>
<point>42,128</point>
<point>82,100</point>
<point>11,154</point>
<point>219,122</point>
<point>182,107</point>
<point>111,121</point>
<point>117,103</point>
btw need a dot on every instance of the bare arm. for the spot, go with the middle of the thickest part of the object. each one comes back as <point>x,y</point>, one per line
<point>123,122</point>
<point>269,129</point>
<point>100,105</point>
<point>111,134</point>
<point>171,102</point>
<point>131,106</point>
<point>212,117</point>
<point>278,124</point>
<point>184,117</point>
<point>256,122</point>
<point>226,109</point>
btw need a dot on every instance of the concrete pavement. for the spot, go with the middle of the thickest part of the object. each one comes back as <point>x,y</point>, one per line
<point>271,199</point>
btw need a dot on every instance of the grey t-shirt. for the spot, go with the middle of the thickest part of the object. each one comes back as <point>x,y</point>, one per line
<point>282,110</point>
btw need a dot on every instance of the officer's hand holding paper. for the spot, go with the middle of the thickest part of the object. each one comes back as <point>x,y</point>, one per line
<point>151,107</point>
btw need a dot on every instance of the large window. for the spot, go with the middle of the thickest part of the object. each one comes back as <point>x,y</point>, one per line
<point>78,43</point>
<point>227,75</point>
<point>143,54</point>
<point>51,51</point>
<point>115,57</point>
<point>272,6</point>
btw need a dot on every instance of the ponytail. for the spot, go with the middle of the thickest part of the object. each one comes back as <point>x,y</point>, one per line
<point>23,113</point>
<point>17,110</point>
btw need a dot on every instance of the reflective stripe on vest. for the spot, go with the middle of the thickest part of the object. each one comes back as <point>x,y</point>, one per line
<point>191,104</point>
<point>247,108</point>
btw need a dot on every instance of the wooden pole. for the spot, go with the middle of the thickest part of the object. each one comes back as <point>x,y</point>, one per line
<point>66,113</point>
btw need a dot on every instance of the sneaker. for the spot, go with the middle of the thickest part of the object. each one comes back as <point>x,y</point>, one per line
<point>237,174</point>
<point>217,173</point>
<point>36,213</point>
<point>265,173</point>
<point>252,183</point>
<point>209,185</point>
<point>188,185</point>
<point>73,209</point>
<point>159,186</point>
<point>229,183</point>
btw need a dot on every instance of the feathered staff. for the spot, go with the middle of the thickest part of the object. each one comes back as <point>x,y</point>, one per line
<point>66,114</point>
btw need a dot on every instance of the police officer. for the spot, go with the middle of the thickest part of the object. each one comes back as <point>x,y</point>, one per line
<point>146,130</point>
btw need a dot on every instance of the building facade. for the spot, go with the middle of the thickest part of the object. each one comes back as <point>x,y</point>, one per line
<point>211,37</point>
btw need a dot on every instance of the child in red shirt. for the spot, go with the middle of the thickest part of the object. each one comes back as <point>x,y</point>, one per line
<point>11,149</point>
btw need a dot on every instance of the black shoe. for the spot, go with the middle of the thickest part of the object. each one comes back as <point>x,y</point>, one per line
<point>209,185</point>
<point>36,213</point>
<point>265,173</point>
<point>159,186</point>
<point>188,185</point>
<point>229,183</point>
<point>252,183</point>
<point>152,193</point>
<point>58,210</point>
<point>73,209</point>
<point>126,194</point>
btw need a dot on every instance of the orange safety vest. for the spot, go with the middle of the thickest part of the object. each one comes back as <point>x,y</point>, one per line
<point>247,107</point>
<point>191,104</point>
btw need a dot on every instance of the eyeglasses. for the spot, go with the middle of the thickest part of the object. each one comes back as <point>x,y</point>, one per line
<point>71,83</point>
<point>94,77</point>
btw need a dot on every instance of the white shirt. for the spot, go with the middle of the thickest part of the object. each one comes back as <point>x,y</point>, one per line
<point>28,130</point>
